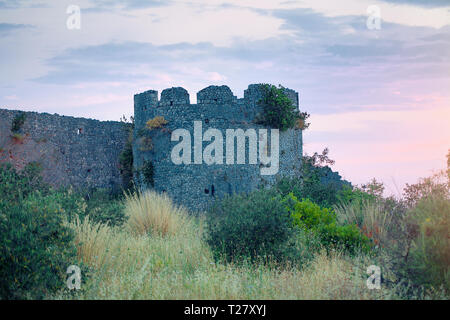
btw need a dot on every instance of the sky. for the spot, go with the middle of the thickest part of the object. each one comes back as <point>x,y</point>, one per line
<point>377,89</point>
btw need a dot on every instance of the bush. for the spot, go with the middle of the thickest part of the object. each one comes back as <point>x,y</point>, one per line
<point>100,206</point>
<point>371,192</point>
<point>316,181</point>
<point>322,221</point>
<point>18,122</point>
<point>17,185</point>
<point>250,226</point>
<point>371,217</point>
<point>354,196</point>
<point>36,248</point>
<point>436,185</point>
<point>424,227</point>
<point>311,187</point>
<point>278,110</point>
<point>156,123</point>
<point>307,214</point>
<point>429,257</point>
<point>104,207</point>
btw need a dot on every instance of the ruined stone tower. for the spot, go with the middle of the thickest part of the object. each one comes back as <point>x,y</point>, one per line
<point>195,185</point>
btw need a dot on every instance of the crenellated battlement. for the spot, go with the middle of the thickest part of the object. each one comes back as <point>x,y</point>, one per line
<point>174,96</point>
<point>212,102</point>
<point>209,95</point>
<point>216,95</point>
<point>147,99</point>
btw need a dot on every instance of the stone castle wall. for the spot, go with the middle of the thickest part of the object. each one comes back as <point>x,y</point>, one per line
<point>84,153</point>
<point>77,152</point>
<point>196,185</point>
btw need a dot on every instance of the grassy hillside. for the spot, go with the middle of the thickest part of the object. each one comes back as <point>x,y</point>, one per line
<point>271,244</point>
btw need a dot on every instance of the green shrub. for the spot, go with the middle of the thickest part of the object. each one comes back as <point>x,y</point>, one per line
<point>251,226</point>
<point>427,260</point>
<point>348,238</point>
<point>18,122</point>
<point>354,196</point>
<point>99,205</point>
<point>369,192</point>
<point>309,215</point>
<point>36,248</point>
<point>310,187</point>
<point>436,185</point>
<point>104,207</point>
<point>429,257</point>
<point>16,185</point>
<point>315,181</point>
<point>322,221</point>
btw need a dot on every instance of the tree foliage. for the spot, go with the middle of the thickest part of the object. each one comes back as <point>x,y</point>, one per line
<point>278,110</point>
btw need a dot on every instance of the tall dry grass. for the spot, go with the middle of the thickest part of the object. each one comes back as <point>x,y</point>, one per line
<point>370,216</point>
<point>123,262</point>
<point>167,259</point>
<point>127,266</point>
<point>430,254</point>
<point>152,213</point>
<point>171,261</point>
<point>414,245</point>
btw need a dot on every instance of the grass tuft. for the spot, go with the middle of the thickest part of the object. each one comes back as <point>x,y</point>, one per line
<point>153,213</point>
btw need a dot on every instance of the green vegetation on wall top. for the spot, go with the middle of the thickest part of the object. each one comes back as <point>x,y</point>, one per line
<point>18,122</point>
<point>278,110</point>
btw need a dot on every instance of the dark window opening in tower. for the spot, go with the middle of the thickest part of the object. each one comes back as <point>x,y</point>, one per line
<point>171,103</point>
<point>206,120</point>
<point>79,130</point>
<point>212,190</point>
<point>206,191</point>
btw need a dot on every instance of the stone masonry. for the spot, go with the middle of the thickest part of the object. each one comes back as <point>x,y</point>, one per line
<point>84,153</point>
<point>196,185</point>
<point>77,152</point>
